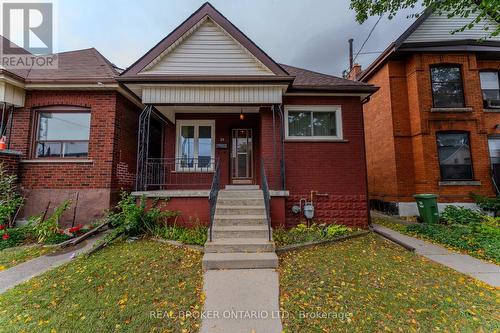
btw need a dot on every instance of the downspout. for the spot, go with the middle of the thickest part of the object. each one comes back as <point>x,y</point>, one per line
<point>274,140</point>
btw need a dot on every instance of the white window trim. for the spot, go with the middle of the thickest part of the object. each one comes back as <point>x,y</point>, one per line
<point>316,108</point>
<point>196,123</point>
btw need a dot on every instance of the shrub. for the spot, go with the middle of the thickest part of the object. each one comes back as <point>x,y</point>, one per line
<point>303,233</point>
<point>48,229</point>
<point>134,219</point>
<point>195,236</point>
<point>16,236</point>
<point>487,204</point>
<point>461,215</point>
<point>10,199</point>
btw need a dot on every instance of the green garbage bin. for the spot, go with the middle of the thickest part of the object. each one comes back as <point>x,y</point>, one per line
<point>427,207</point>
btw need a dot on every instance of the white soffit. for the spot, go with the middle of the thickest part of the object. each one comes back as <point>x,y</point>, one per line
<point>206,49</point>
<point>212,94</point>
<point>439,27</point>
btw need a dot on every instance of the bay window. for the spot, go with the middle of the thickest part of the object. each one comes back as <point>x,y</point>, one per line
<point>62,134</point>
<point>195,145</point>
<point>454,155</point>
<point>313,122</point>
<point>447,88</point>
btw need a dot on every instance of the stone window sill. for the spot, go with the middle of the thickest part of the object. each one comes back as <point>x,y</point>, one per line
<point>491,110</point>
<point>460,183</point>
<point>451,109</point>
<point>55,161</point>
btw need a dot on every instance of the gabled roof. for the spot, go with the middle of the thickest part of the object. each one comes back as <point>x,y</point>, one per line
<point>206,10</point>
<point>432,32</point>
<point>306,79</point>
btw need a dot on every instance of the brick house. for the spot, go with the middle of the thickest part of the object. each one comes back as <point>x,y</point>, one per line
<point>203,109</point>
<point>433,126</point>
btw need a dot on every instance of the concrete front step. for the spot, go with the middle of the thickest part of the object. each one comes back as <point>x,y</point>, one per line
<point>236,194</point>
<point>228,245</point>
<point>229,201</point>
<point>242,187</point>
<point>239,260</point>
<point>232,231</point>
<point>240,210</point>
<point>240,219</point>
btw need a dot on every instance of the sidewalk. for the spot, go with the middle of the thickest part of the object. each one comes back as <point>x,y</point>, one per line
<point>241,300</point>
<point>13,276</point>
<point>476,268</point>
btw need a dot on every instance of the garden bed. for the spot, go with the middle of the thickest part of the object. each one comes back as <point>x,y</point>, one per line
<point>304,234</point>
<point>369,285</point>
<point>475,239</point>
<point>128,287</point>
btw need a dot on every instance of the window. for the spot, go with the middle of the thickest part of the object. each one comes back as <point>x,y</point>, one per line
<point>195,145</point>
<point>447,89</point>
<point>490,86</point>
<point>314,122</point>
<point>494,146</point>
<point>62,134</point>
<point>454,156</point>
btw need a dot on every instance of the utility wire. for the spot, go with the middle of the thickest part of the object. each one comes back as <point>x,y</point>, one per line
<point>368,37</point>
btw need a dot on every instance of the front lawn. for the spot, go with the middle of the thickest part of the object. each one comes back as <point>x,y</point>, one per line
<point>127,287</point>
<point>369,285</point>
<point>15,255</point>
<point>479,240</point>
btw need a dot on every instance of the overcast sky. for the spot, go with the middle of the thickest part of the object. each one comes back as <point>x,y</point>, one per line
<point>306,33</point>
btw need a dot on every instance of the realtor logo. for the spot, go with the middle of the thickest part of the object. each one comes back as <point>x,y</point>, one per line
<point>28,31</point>
<point>28,25</point>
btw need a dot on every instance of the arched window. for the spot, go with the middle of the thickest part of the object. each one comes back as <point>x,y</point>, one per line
<point>61,132</point>
<point>455,160</point>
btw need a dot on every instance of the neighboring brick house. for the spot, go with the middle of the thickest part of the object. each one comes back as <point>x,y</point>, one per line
<point>73,131</point>
<point>433,126</point>
<point>216,109</point>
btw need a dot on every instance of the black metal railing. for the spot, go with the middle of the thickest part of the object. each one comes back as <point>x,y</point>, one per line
<point>267,196</point>
<point>179,173</point>
<point>212,198</point>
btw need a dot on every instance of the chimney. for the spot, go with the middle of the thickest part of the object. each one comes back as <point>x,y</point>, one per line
<point>354,72</point>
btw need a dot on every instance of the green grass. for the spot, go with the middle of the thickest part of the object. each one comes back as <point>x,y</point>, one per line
<point>114,290</point>
<point>15,255</point>
<point>467,238</point>
<point>377,286</point>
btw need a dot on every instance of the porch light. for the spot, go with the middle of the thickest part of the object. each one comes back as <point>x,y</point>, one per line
<point>242,116</point>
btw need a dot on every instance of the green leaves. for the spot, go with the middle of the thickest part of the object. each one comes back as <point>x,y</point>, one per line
<point>10,199</point>
<point>485,9</point>
<point>303,233</point>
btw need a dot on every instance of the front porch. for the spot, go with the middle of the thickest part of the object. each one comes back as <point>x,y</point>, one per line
<point>188,153</point>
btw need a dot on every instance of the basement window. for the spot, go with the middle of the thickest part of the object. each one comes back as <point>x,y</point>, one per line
<point>314,122</point>
<point>61,134</point>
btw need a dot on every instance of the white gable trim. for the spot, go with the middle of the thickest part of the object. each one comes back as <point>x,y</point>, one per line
<point>203,60</point>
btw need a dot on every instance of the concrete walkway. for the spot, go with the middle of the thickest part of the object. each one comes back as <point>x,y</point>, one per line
<point>241,301</point>
<point>476,268</point>
<point>13,276</point>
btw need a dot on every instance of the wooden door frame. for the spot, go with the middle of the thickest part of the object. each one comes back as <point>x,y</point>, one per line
<point>242,181</point>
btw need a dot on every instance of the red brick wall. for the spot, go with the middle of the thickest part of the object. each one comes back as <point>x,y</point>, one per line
<point>111,152</point>
<point>333,168</point>
<point>408,84</point>
<point>10,161</point>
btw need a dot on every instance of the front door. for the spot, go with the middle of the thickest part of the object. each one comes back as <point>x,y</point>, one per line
<point>241,156</point>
